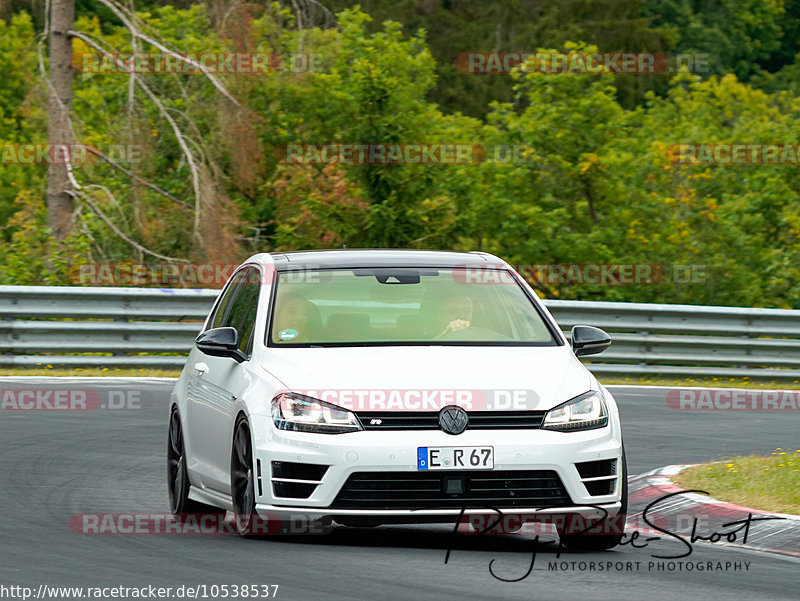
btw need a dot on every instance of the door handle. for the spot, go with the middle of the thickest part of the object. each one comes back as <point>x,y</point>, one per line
<point>201,368</point>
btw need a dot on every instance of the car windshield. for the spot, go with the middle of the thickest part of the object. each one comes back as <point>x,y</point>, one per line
<point>403,306</point>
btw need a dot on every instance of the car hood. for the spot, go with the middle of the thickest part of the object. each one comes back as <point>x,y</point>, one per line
<point>496,378</point>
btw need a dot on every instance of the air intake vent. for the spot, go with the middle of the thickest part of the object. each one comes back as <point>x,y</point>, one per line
<point>298,471</point>
<point>599,477</point>
<point>296,480</point>
<point>593,469</point>
<point>292,490</point>
<point>600,487</point>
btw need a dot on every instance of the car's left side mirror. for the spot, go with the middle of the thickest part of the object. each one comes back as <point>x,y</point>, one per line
<point>588,340</point>
<point>221,342</point>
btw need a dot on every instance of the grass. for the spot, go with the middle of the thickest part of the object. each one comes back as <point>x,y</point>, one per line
<point>768,483</point>
<point>91,372</point>
<point>608,381</point>
<point>709,382</point>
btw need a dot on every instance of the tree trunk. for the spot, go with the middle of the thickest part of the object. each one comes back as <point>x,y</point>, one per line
<point>59,203</point>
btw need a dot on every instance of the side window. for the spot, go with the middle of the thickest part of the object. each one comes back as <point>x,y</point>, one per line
<point>221,312</point>
<point>242,314</point>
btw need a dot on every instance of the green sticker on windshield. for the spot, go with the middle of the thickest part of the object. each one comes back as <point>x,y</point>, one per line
<point>288,334</point>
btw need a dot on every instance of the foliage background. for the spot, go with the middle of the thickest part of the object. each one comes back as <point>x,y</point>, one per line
<point>597,185</point>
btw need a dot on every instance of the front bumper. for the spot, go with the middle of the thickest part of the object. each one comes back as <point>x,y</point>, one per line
<point>396,451</point>
<point>304,516</point>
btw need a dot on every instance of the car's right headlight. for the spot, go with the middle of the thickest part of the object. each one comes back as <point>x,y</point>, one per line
<point>585,412</point>
<point>291,411</point>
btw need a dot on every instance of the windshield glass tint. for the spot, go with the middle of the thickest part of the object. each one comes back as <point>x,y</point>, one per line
<point>387,305</point>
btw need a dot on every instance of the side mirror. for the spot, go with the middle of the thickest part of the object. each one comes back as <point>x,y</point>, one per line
<point>221,342</point>
<point>588,340</point>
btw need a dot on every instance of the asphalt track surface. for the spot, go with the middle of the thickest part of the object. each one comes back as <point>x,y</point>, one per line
<point>56,464</point>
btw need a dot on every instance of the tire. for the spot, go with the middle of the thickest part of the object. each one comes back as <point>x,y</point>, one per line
<point>245,518</point>
<point>177,476</point>
<point>603,542</point>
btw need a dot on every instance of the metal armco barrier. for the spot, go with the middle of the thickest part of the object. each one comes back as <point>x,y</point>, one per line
<point>99,327</point>
<point>147,327</point>
<point>689,340</point>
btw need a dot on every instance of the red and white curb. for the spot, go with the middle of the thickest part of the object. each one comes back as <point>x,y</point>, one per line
<point>681,513</point>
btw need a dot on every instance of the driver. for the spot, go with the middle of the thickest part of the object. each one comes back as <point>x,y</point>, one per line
<point>456,312</point>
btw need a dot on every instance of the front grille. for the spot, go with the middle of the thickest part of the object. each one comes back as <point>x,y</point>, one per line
<point>429,420</point>
<point>424,490</point>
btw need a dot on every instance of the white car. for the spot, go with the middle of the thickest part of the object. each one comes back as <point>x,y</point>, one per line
<point>369,387</point>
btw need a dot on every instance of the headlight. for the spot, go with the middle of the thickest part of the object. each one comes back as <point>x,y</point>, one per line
<point>304,414</point>
<point>584,412</point>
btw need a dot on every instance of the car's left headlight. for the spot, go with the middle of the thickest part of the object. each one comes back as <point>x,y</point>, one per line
<point>585,412</point>
<point>304,414</point>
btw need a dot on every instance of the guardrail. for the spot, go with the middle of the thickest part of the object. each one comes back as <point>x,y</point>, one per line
<point>145,327</point>
<point>99,327</point>
<point>689,340</point>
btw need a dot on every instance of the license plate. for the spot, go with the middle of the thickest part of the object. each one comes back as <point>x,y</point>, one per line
<point>455,458</point>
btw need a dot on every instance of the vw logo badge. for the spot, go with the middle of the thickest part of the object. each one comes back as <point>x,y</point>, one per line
<point>453,420</point>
